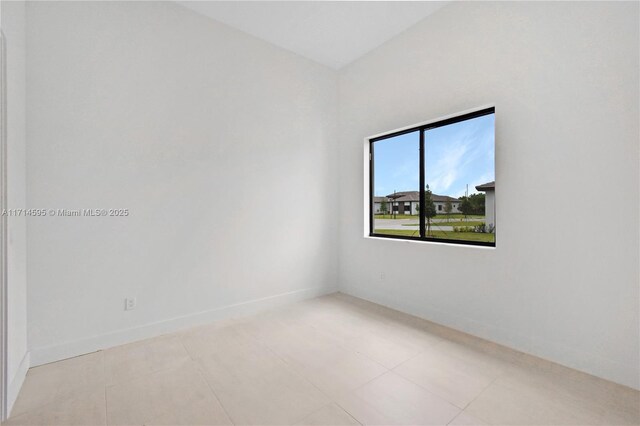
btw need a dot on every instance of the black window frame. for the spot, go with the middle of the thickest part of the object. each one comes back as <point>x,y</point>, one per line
<point>421,129</point>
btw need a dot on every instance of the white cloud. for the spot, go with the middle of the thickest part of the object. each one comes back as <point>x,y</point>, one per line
<point>447,169</point>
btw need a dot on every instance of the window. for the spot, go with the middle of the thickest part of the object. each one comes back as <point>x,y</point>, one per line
<point>447,169</point>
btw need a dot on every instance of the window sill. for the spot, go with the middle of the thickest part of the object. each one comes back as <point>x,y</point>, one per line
<point>439,243</point>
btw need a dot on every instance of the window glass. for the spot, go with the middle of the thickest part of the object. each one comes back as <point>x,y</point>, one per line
<point>396,171</point>
<point>460,166</point>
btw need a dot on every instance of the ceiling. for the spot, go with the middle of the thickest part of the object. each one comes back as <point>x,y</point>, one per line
<point>333,33</point>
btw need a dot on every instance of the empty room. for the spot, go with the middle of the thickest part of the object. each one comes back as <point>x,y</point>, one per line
<point>320,213</point>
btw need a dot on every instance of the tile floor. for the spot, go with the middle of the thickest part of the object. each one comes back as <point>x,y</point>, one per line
<point>333,360</point>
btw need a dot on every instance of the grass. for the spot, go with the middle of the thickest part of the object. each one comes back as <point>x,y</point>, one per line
<point>459,216</point>
<point>452,223</point>
<point>465,236</point>
<point>452,216</point>
<point>398,216</point>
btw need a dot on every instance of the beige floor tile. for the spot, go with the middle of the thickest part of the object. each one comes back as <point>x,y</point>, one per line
<point>616,401</point>
<point>362,411</point>
<point>524,401</point>
<point>330,415</point>
<point>488,361</point>
<point>400,401</point>
<point>206,341</point>
<point>322,360</point>
<point>303,346</point>
<point>265,323</point>
<point>362,339</point>
<point>576,386</point>
<point>200,412</point>
<point>166,395</point>
<point>85,408</point>
<point>257,387</point>
<point>393,325</point>
<point>456,380</point>
<point>411,335</point>
<point>133,360</point>
<point>622,417</point>
<point>347,372</point>
<point>62,379</point>
<point>464,419</point>
<point>388,353</point>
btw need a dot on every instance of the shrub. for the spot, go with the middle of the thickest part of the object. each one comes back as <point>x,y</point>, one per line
<point>481,228</point>
<point>463,229</point>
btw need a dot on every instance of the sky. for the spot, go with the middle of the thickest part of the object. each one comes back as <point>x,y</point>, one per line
<point>455,155</point>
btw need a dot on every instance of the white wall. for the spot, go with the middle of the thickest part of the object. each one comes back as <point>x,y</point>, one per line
<point>14,27</point>
<point>564,80</point>
<point>490,207</point>
<point>221,145</point>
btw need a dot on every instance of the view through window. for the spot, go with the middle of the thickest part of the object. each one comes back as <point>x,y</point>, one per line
<point>453,162</point>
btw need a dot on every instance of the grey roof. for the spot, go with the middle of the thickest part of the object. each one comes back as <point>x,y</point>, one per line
<point>406,196</point>
<point>415,196</point>
<point>486,186</point>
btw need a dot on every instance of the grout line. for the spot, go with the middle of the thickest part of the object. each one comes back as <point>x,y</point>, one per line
<point>457,415</point>
<point>215,395</point>
<point>301,374</point>
<point>481,392</point>
<point>369,381</point>
<point>265,346</point>
<point>476,397</point>
<point>491,382</point>
<point>106,409</point>
<point>348,414</point>
<point>350,349</point>
<point>364,402</point>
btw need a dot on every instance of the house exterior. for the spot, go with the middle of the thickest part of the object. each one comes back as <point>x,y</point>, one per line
<point>489,189</point>
<point>407,202</point>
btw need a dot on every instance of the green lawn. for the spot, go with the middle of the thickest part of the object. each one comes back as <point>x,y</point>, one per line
<point>458,216</point>
<point>398,216</point>
<point>466,236</point>
<point>435,225</point>
<point>452,216</point>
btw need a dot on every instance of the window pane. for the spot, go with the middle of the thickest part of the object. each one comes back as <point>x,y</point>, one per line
<point>460,179</point>
<point>396,168</point>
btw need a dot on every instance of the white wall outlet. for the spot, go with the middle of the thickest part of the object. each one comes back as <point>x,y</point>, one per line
<point>130,303</point>
<point>382,276</point>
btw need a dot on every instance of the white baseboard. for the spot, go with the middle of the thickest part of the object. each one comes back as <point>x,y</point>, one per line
<point>47,354</point>
<point>16,383</point>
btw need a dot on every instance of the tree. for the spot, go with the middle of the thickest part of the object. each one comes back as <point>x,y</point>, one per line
<point>477,203</point>
<point>429,209</point>
<point>448,207</point>
<point>384,207</point>
<point>465,206</point>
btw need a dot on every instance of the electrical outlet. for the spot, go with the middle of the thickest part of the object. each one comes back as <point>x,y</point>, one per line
<point>130,303</point>
<point>382,276</point>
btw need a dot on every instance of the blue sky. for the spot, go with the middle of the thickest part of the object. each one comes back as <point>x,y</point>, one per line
<point>455,155</point>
